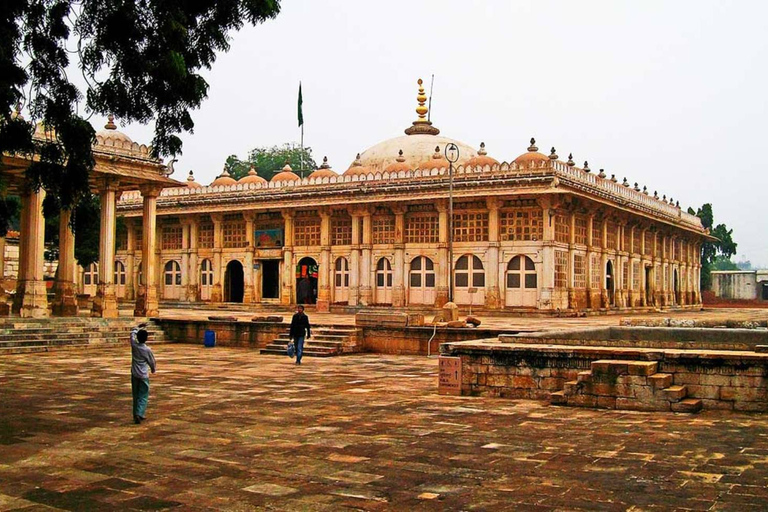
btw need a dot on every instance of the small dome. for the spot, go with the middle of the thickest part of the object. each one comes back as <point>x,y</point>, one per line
<point>111,133</point>
<point>324,171</point>
<point>224,179</point>
<point>438,161</point>
<point>398,165</point>
<point>357,168</point>
<point>252,177</point>
<point>286,174</point>
<point>191,183</point>
<point>482,159</point>
<point>532,155</point>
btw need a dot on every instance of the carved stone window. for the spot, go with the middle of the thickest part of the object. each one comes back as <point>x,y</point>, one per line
<point>561,269</point>
<point>421,228</point>
<point>383,230</point>
<point>562,229</point>
<point>521,224</point>
<point>580,230</point>
<point>470,227</point>
<point>205,234</point>
<point>579,271</point>
<point>306,231</point>
<point>234,231</point>
<point>341,230</point>
<point>172,237</point>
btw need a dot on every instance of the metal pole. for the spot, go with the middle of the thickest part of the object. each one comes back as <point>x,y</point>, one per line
<point>450,231</point>
<point>301,165</point>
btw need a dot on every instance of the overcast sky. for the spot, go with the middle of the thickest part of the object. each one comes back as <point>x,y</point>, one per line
<point>671,95</point>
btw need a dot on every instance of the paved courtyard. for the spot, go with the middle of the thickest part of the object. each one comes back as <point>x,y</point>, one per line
<point>229,429</point>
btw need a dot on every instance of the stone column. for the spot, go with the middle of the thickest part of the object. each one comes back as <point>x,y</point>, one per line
<point>547,274</point>
<point>571,274</point>
<point>217,291</point>
<point>366,292</point>
<point>184,295</point>
<point>289,279</point>
<point>442,275</point>
<point>193,285</point>
<point>323,285</point>
<point>130,291</point>
<point>492,294</point>
<point>398,272</point>
<point>248,274</point>
<point>147,299</point>
<point>593,297</point>
<point>354,260</point>
<point>5,308</point>
<point>31,298</point>
<point>105,302</point>
<point>65,298</point>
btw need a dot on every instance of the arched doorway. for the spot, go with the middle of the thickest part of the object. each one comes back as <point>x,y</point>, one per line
<point>171,280</point>
<point>610,283</point>
<point>91,279</point>
<point>648,286</point>
<point>341,280</point>
<point>675,286</point>
<point>522,288</point>
<point>206,279</point>
<point>306,281</point>
<point>469,280</point>
<point>119,279</point>
<point>383,281</point>
<point>421,282</point>
<point>234,282</point>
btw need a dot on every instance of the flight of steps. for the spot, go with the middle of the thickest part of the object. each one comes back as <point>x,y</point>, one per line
<point>626,385</point>
<point>326,341</point>
<point>25,335</point>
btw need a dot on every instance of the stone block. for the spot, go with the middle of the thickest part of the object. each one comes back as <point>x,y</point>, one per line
<point>660,380</point>
<point>473,320</point>
<point>584,376</point>
<point>381,319</point>
<point>742,394</point>
<point>687,378</point>
<point>558,398</point>
<point>274,318</point>
<point>523,382</point>
<point>606,402</point>
<point>717,405</point>
<point>457,324</point>
<point>642,367</point>
<point>689,405</point>
<point>582,400</point>
<point>550,383</point>
<point>675,393</point>
<point>750,406</point>
<point>450,312</point>
<point>415,320</point>
<point>748,381</point>
<point>703,392</point>
<point>714,380</point>
<point>572,387</point>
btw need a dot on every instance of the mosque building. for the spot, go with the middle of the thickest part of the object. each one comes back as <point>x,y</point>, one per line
<point>534,234</point>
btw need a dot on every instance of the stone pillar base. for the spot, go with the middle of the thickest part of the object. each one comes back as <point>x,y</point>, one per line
<point>65,300</point>
<point>492,298</point>
<point>398,297</point>
<point>323,306</point>
<point>146,303</point>
<point>31,299</point>
<point>366,295</point>
<point>353,297</point>
<point>216,293</point>
<point>441,296</point>
<point>105,302</point>
<point>572,299</point>
<point>248,294</point>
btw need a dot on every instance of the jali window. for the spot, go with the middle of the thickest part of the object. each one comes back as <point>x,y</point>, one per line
<point>580,230</point>
<point>562,229</point>
<point>521,224</point>
<point>383,230</point>
<point>205,235</point>
<point>635,275</point>
<point>139,236</point>
<point>121,238</point>
<point>626,245</point>
<point>594,271</point>
<point>341,230</point>
<point>421,228</point>
<point>636,239</point>
<point>625,275</point>
<point>234,231</point>
<point>579,271</point>
<point>611,236</point>
<point>470,227</point>
<point>649,238</point>
<point>172,237</point>
<point>561,269</point>
<point>306,231</point>
<point>597,233</point>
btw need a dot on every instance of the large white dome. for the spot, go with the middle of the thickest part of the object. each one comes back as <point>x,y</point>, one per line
<point>417,149</point>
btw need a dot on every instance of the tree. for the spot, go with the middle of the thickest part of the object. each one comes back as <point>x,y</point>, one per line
<point>141,61</point>
<point>267,160</point>
<point>712,252</point>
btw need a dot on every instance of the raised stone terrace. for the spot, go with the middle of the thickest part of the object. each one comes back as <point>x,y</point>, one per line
<point>229,429</point>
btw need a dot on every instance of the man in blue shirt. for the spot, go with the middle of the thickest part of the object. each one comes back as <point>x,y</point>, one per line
<point>142,361</point>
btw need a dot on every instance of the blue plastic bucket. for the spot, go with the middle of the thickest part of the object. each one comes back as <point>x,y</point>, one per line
<point>209,340</point>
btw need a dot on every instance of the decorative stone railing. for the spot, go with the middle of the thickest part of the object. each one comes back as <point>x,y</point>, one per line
<point>502,170</point>
<point>123,147</point>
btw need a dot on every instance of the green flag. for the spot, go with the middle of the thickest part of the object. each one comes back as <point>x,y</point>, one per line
<point>301,114</point>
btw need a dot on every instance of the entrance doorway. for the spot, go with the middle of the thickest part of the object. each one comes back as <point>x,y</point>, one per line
<point>648,291</point>
<point>765,291</point>
<point>270,279</point>
<point>306,281</point>
<point>234,282</point>
<point>675,286</point>
<point>609,283</point>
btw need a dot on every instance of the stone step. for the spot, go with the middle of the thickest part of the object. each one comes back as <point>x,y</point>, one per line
<point>571,387</point>
<point>660,380</point>
<point>675,393</point>
<point>585,376</point>
<point>308,352</point>
<point>690,405</point>
<point>622,367</point>
<point>558,398</point>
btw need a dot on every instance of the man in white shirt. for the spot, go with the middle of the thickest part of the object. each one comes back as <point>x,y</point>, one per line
<point>142,361</point>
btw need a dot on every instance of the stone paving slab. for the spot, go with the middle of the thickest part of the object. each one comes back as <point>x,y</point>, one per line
<point>229,429</point>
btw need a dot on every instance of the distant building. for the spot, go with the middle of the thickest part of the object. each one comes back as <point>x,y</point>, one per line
<point>740,284</point>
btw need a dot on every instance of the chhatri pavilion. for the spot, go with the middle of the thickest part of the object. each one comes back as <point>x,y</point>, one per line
<point>536,233</point>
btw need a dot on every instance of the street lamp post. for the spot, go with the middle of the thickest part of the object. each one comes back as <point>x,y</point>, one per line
<point>452,155</point>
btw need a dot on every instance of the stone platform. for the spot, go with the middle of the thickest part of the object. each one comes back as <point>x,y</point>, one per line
<point>229,429</point>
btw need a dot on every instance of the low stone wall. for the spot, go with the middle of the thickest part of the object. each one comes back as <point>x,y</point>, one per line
<point>228,333</point>
<point>720,379</point>
<point>650,337</point>
<point>415,340</point>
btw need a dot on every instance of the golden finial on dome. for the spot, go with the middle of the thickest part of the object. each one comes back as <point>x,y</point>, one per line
<point>437,155</point>
<point>553,154</point>
<point>400,158</point>
<point>110,123</point>
<point>586,166</point>
<point>570,161</point>
<point>224,172</point>
<point>325,163</point>
<point>252,171</point>
<point>533,147</point>
<point>422,125</point>
<point>191,176</point>
<point>357,162</point>
<point>482,151</point>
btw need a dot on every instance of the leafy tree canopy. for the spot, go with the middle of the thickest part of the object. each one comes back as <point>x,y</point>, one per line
<point>713,252</point>
<point>141,61</point>
<point>267,160</point>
